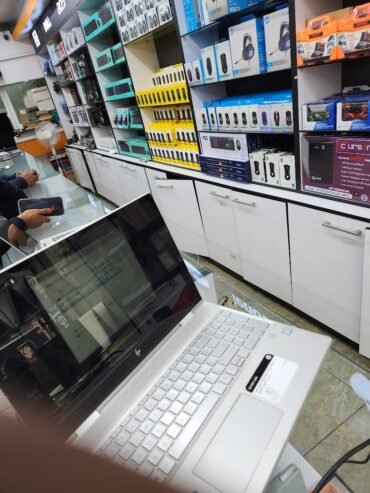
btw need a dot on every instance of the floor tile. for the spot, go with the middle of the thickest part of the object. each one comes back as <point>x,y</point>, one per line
<point>342,367</point>
<point>348,435</point>
<point>329,403</point>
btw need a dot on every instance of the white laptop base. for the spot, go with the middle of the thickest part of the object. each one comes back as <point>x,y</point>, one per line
<point>191,421</point>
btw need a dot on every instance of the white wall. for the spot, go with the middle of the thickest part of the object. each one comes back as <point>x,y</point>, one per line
<point>18,61</point>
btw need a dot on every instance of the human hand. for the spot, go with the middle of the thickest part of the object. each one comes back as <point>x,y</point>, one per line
<point>31,176</point>
<point>35,217</point>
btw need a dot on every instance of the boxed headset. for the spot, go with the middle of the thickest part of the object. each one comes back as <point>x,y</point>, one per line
<point>198,71</point>
<point>208,55</point>
<point>164,12</point>
<point>152,19</point>
<point>353,110</point>
<point>247,42</point>
<point>277,39</point>
<point>337,166</point>
<point>223,59</point>
<point>225,145</point>
<point>287,170</point>
<point>353,32</point>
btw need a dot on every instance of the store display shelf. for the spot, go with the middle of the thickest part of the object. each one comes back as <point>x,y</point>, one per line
<point>103,31</point>
<point>277,73</point>
<point>233,18</point>
<point>246,132</point>
<point>349,59</point>
<point>92,103</point>
<point>163,104</point>
<point>357,133</point>
<point>89,76</point>
<point>60,62</point>
<point>130,128</point>
<point>114,65</point>
<point>78,50</point>
<point>129,95</point>
<point>158,32</point>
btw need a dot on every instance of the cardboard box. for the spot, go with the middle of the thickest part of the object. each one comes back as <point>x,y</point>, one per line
<point>287,170</point>
<point>277,39</point>
<point>210,72</point>
<point>223,60</point>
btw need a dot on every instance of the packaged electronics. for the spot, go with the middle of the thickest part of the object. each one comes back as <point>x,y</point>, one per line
<point>121,118</point>
<point>247,44</point>
<point>272,167</point>
<point>225,145</point>
<point>189,72</point>
<point>73,39</point>
<point>337,166</point>
<point>277,39</point>
<point>226,168</point>
<point>317,41</point>
<point>119,89</point>
<point>98,116</point>
<point>192,14</point>
<point>223,60</point>
<point>353,110</point>
<point>135,147</point>
<point>208,55</point>
<point>257,164</point>
<point>91,90</point>
<point>320,115</point>
<point>353,32</point>
<point>198,71</point>
<point>287,170</point>
<point>81,66</point>
<point>104,59</point>
<point>98,21</point>
<point>164,12</point>
<point>214,9</point>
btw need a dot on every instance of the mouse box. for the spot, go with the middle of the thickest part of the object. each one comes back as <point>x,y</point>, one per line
<point>198,71</point>
<point>189,72</point>
<point>272,168</point>
<point>287,170</point>
<point>224,62</point>
<point>210,72</point>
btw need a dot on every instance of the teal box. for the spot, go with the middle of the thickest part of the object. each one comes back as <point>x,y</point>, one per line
<point>118,53</point>
<point>104,59</point>
<point>92,26</point>
<point>139,148</point>
<point>120,89</point>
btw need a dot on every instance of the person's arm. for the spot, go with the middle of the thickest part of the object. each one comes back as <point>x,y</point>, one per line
<point>22,180</point>
<point>34,461</point>
<point>9,197</point>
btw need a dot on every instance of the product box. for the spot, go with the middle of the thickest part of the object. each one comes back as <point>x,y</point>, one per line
<point>272,167</point>
<point>257,164</point>
<point>152,19</point>
<point>219,8</point>
<point>189,72</point>
<point>287,170</point>
<point>353,32</point>
<point>320,115</point>
<point>247,43</point>
<point>317,41</point>
<point>208,55</point>
<point>281,110</point>
<point>264,117</point>
<point>164,12</point>
<point>353,110</point>
<point>198,71</point>
<point>226,168</point>
<point>212,115</point>
<point>277,39</point>
<point>223,60</point>
<point>192,15</point>
<point>225,145</point>
<point>337,166</point>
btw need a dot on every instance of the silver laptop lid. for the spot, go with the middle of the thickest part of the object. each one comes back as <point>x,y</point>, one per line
<point>78,317</point>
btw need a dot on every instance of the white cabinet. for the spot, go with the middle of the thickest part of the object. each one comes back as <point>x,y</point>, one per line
<point>178,204</point>
<point>262,232</point>
<point>133,181</point>
<point>77,161</point>
<point>219,225</point>
<point>108,185</point>
<point>327,254</point>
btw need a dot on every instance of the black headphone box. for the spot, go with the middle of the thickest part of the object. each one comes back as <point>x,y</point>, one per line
<point>277,40</point>
<point>247,44</point>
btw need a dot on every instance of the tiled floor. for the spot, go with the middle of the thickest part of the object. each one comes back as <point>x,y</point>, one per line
<point>333,419</point>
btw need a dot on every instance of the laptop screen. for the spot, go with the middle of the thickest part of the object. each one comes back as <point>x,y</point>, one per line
<point>86,311</point>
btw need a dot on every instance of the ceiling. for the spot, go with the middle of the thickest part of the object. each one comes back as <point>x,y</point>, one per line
<point>10,11</point>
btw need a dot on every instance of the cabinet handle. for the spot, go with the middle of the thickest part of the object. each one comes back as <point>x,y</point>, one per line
<point>133,170</point>
<point>356,232</point>
<point>215,194</point>
<point>249,204</point>
<point>164,186</point>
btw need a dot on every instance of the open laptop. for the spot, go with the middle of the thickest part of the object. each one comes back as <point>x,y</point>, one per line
<point>105,337</point>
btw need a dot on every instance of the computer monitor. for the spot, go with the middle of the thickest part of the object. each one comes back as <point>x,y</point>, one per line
<point>106,296</point>
<point>7,141</point>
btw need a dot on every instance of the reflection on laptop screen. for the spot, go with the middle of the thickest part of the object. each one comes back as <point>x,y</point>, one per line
<point>95,304</point>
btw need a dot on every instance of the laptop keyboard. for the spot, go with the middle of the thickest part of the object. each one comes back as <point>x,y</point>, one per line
<point>153,438</point>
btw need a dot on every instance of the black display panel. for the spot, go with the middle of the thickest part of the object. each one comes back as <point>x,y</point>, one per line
<point>90,308</point>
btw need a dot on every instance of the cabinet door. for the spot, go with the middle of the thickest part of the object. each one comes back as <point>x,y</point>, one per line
<point>73,159</point>
<point>109,185</point>
<point>327,252</point>
<point>262,231</point>
<point>133,181</point>
<point>219,225</point>
<point>92,167</point>
<point>181,213</point>
<point>153,176</point>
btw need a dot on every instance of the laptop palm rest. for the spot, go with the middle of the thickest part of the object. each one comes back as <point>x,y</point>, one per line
<point>235,451</point>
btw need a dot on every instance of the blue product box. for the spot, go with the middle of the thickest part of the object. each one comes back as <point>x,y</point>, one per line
<point>192,14</point>
<point>247,43</point>
<point>353,111</point>
<point>213,10</point>
<point>320,115</point>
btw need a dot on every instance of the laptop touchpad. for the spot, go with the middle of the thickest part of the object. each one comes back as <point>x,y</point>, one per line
<point>235,451</point>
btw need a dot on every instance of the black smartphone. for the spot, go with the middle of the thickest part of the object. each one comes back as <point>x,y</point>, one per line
<point>55,203</point>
